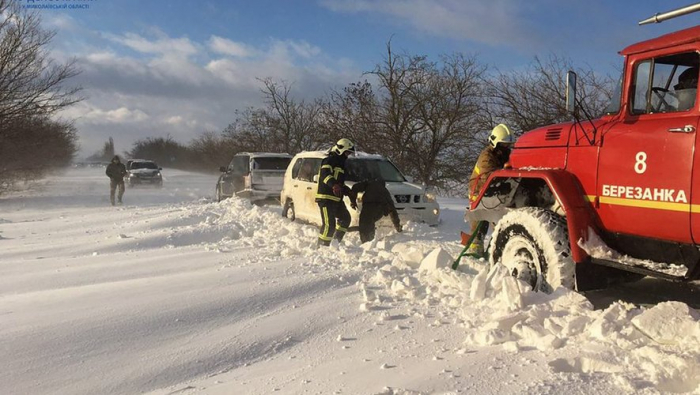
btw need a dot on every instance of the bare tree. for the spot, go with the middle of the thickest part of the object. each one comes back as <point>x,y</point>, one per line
<point>293,123</point>
<point>250,132</point>
<point>535,97</point>
<point>449,100</point>
<point>397,106</point>
<point>352,113</point>
<point>31,83</point>
<point>164,150</point>
<point>211,151</point>
<point>31,89</point>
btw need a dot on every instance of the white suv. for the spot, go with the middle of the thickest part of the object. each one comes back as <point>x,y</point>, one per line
<point>299,191</point>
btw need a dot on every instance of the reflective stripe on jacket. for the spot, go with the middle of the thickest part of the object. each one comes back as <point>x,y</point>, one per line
<point>332,172</point>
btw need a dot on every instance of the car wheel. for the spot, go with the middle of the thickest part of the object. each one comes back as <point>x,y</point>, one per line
<point>533,244</point>
<point>288,210</point>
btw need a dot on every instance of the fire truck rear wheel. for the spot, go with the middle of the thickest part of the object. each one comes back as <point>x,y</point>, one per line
<point>533,244</point>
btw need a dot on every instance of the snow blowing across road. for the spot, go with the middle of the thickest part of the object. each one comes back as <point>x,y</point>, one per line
<point>173,293</point>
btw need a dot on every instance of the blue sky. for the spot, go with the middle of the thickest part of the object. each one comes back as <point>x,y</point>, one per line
<point>159,67</point>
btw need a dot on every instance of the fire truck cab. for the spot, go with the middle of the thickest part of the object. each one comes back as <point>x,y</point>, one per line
<point>618,196</point>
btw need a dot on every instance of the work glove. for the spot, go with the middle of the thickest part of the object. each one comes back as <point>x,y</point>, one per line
<point>337,190</point>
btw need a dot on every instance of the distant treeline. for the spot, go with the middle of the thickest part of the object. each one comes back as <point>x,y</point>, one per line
<point>430,117</point>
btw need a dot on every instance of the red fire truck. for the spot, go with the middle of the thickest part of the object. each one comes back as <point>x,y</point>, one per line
<point>618,196</point>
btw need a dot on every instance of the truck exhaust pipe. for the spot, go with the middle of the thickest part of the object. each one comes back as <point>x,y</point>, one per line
<point>658,18</point>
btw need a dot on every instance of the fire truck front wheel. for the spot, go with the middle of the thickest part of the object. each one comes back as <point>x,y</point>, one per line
<point>533,244</point>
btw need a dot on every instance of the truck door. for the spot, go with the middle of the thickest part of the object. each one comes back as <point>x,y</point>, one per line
<point>646,160</point>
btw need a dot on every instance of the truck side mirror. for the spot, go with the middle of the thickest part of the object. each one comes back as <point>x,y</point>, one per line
<point>409,179</point>
<point>315,177</point>
<point>571,92</point>
<point>222,169</point>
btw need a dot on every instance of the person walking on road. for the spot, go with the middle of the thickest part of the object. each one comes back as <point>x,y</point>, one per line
<point>330,192</point>
<point>116,172</point>
<point>376,203</point>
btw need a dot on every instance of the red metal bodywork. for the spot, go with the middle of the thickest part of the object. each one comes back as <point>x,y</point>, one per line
<point>624,173</point>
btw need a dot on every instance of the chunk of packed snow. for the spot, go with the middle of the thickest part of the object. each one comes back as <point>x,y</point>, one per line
<point>436,259</point>
<point>670,323</point>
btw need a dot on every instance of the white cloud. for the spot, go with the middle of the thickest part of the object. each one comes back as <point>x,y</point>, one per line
<point>180,87</point>
<point>117,115</point>
<point>174,120</point>
<point>59,21</point>
<point>225,46</point>
<point>491,22</point>
<point>162,45</point>
<point>304,49</point>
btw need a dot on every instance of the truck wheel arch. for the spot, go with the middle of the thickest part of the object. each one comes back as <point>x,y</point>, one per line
<point>553,189</point>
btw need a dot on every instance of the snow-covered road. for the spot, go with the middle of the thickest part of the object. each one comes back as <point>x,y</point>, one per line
<point>174,293</point>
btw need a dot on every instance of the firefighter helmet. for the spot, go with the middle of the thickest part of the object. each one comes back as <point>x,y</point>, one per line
<point>501,134</point>
<point>343,146</point>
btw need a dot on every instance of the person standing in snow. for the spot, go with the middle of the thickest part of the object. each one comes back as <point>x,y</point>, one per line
<point>116,172</point>
<point>493,157</point>
<point>376,203</point>
<point>330,191</point>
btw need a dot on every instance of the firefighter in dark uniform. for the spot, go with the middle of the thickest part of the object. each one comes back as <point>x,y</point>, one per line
<point>493,157</point>
<point>330,192</point>
<point>376,203</point>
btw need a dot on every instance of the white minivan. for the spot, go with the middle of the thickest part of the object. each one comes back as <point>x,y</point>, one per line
<point>299,190</point>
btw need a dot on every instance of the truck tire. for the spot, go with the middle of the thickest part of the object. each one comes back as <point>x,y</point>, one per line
<point>288,210</point>
<point>533,244</point>
<point>219,196</point>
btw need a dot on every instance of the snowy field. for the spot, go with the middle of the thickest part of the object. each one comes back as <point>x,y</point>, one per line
<point>174,293</point>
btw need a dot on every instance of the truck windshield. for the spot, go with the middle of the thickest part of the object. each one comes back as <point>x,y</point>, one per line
<point>368,169</point>
<point>271,163</point>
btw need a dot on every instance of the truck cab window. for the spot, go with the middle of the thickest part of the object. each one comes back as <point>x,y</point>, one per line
<point>666,84</point>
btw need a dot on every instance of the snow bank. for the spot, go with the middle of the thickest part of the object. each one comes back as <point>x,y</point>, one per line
<point>401,279</point>
<point>657,348</point>
<point>641,348</point>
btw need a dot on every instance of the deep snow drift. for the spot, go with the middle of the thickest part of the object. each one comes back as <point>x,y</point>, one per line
<point>174,293</point>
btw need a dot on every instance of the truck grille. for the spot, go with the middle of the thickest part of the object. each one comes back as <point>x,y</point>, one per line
<point>402,198</point>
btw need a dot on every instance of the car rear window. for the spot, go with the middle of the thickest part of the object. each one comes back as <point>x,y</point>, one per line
<point>271,163</point>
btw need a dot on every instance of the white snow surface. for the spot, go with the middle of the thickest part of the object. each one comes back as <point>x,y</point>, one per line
<point>173,293</point>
